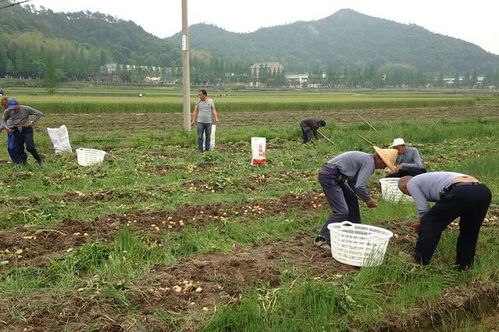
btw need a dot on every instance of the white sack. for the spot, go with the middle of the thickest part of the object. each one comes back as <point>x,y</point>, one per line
<point>60,139</point>
<point>212,137</point>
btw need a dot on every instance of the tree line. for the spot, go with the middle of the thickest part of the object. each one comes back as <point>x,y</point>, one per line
<point>33,55</point>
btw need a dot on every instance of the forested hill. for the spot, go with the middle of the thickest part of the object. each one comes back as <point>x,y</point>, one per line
<point>29,35</point>
<point>344,38</point>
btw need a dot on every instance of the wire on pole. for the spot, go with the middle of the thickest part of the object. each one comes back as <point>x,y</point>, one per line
<point>14,4</point>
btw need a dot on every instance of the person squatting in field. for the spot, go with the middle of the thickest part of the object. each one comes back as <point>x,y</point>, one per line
<point>408,161</point>
<point>11,147</point>
<point>203,115</point>
<point>345,177</point>
<point>16,120</point>
<point>309,128</point>
<point>456,195</point>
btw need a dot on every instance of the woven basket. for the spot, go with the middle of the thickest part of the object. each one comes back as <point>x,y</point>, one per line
<point>357,244</point>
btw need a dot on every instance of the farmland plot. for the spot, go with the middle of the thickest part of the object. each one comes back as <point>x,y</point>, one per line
<point>160,237</point>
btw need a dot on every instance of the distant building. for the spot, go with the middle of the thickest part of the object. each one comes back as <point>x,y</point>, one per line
<point>113,67</point>
<point>272,67</point>
<point>152,79</point>
<point>297,80</point>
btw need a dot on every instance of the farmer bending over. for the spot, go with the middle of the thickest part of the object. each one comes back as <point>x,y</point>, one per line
<point>345,177</point>
<point>309,128</point>
<point>16,121</point>
<point>408,161</point>
<point>456,195</point>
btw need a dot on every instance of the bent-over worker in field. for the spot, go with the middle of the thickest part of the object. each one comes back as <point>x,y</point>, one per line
<point>11,148</point>
<point>408,161</point>
<point>16,121</point>
<point>345,177</point>
<point>309,128</point>
<point>456,195</point>
<point>203,115</point>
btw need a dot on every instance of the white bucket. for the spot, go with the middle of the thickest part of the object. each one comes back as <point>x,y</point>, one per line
<point>357,244</point>
<point>87,157</point>
<point>390,191</point>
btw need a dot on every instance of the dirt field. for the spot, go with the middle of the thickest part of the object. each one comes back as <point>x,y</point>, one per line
<point>160,237</point>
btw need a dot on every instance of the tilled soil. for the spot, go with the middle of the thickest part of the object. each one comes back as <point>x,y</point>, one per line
<point>187,289</point>
<point>31,246</point>
<point>209,280</point>
<point>458,304</point>
<point>154,121</point>
<point>191,285</point>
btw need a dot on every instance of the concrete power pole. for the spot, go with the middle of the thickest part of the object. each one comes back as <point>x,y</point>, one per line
<point>186,72</point>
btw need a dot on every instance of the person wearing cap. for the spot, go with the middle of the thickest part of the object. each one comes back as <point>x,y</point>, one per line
<point>408,161</point>
<point>11,148</point>
<point>456,195</point>
<point>345,177</point>
<point>309,128</point>
<point>16,120</point>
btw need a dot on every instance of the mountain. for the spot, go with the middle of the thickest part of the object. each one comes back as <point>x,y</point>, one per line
<point>346,38</point>
<point>122,41</point>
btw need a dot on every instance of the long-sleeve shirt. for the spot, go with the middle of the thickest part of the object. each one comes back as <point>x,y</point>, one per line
<point>310,124</point>
<point>425,188</point>
<point>410,158</point>
<point>357,167</point>
<point>20,116</point>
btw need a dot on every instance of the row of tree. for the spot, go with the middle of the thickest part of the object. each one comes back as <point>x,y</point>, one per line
<point>32,55</point>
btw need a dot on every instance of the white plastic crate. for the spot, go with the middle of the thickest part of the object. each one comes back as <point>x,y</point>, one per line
<point>87,157</point>
<point>390,191</point>
<point>357,244</point>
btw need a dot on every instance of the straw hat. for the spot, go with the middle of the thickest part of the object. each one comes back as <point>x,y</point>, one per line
<point>397,142</point>
<point>389,156</point>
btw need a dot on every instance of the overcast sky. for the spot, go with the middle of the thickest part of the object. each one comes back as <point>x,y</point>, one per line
<point>474,21</point>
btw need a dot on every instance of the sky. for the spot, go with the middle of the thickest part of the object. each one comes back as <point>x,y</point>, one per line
<point>473,21</point>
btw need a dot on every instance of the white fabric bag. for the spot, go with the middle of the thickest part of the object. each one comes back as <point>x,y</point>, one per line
<point>60,139</point>
<point>258,146</point>
<point>212,137</point>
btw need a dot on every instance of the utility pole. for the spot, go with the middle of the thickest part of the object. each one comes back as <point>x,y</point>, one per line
<point>186,72</point>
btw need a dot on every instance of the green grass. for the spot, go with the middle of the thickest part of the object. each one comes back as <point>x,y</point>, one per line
<point>359,300</point>
<point>40,198</point>
<point>94,100</point>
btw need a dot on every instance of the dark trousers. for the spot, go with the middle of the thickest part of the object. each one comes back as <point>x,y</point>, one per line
<point>411,171</point>
<point>340,197</point>
<point>470,203</point>
<point>307,135</point>
<point>22,137</point>
<point>11,148</point>
<point>204,128</point>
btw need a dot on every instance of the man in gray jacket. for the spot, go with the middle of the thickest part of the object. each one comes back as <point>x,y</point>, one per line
<point>16,120</point>
<point>456,195</point>
<point>345,177</point>
<point>408,161</point>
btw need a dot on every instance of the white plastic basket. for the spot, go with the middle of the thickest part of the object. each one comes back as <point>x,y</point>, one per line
<point>357,244</point>
<point>390,191</point>
<point>87,157</point>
